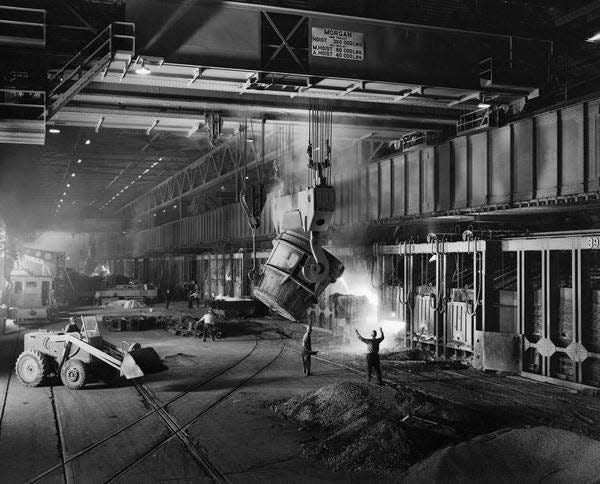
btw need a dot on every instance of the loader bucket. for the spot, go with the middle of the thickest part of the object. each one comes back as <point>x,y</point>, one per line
<point>139,362</point>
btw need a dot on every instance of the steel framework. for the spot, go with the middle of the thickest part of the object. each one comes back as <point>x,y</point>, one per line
<point>234,156</point>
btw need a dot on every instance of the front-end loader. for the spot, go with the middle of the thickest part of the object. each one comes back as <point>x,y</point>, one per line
<point>79,352</point>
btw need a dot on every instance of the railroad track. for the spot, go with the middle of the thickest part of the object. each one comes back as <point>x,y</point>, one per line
<point>160,409</point>
<point>15,351</point>
<point>179,431</point>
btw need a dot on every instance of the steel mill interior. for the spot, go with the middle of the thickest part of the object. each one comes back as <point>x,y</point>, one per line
<point>297,241</point>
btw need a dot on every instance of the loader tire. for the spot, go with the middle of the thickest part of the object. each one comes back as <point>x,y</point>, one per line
<point>74,374</point>
<point>32,368</point>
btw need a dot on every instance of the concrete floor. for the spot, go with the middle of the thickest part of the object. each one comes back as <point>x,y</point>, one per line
<point>209,420</point>
<point>206,417</point>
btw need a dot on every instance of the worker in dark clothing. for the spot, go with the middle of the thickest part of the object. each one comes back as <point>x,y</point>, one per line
<point>168,298</point>
<point>307,351</point>
<point>373,354</point>
<point>71,327</point>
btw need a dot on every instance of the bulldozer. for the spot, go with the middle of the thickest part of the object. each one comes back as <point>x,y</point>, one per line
<point>79,353</point>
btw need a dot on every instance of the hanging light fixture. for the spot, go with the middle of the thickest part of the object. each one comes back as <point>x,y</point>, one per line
<point>142,69</point>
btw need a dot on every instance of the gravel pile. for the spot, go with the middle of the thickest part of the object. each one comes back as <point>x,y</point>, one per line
<point>537,454</point>
<point>364,426</point>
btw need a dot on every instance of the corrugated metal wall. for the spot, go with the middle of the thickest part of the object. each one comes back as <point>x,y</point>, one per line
<point>542,157</point>
<point>552,154</point>
<point>224,223</point>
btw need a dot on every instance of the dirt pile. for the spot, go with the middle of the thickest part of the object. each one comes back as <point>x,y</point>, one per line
<point>537,454</point>
<point>366,427</point>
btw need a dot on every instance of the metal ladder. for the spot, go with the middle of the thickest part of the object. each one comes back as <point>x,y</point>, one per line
<point>118,37</point>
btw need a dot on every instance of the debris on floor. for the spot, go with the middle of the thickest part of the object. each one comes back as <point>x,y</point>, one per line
<point>363,427</point>
<point>237,307</point>
<point>366,427</point>
<point>128,323</point>
<point>537,454</point>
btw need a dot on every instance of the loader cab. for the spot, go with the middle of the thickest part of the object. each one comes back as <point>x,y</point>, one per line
<point>90,330</point>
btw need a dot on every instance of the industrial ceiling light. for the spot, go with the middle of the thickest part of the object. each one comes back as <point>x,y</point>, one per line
<point>79,161</point>
<point>484,106</point>
<point>73,175</point>
<point>54,130</point>
<point>87,141</point>
<point>68,185</point>
<point>142,69</point>
<point>594,38</point>
<point>64,193</point>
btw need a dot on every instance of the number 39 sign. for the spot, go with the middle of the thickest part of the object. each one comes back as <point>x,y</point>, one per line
<point>593,243</point>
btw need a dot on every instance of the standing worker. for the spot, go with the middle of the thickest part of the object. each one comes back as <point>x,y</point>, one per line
<point>307,350</point>
<point>209,325</point>
<point>197,294</point>
<point>373,354</point>
<point>168,297</point>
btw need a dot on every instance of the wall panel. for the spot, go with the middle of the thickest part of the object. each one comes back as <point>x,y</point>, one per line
<point>546,160</point>
<point>444,178</point>
<point>523,174</point>
<point>413,185</point>
<point>593,146</point>
<point>373,191</point>
<point>428,181</point>
<point>478,172</point>
<point>500,167</point>
<point>399,193</point>
<point>385,189</point>
<point>572,165</point>
<point>459,155</point>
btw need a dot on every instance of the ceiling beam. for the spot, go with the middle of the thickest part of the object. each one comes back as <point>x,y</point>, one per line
<point>577,13</point>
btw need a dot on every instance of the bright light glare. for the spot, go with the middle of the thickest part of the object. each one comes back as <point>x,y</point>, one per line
<point>143,70</point>
<point>593,38</point>
<point>54,130</point>
<point>87,141</point>
<point>361,289</point>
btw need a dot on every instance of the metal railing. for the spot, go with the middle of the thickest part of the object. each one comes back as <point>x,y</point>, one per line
<point>486,70</point>
<point>22,26</point>
<point>479,119</point>
<point>105,43</point>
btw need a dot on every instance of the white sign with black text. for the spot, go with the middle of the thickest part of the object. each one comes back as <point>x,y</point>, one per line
<point>338,44</point>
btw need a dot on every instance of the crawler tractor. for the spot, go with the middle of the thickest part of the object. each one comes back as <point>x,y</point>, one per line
<point>78,353</point>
